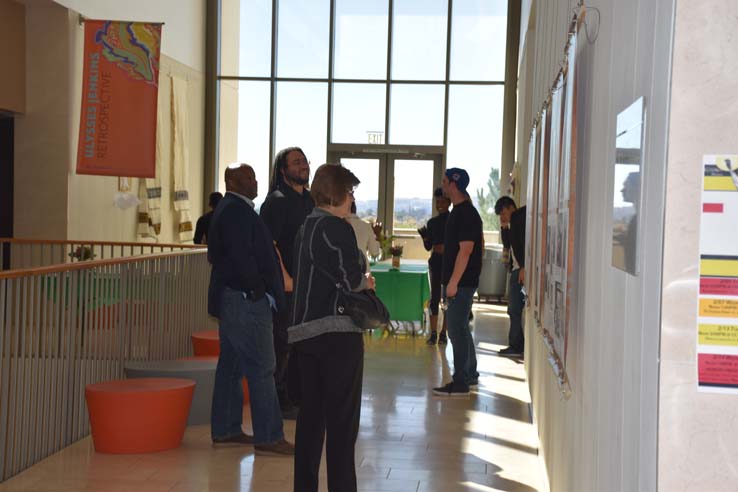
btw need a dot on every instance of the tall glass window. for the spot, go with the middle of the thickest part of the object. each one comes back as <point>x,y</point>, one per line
<point>358,112</point>
<point>478,40</point>
<point>419,39</point>
<point>246,38</point>
<point>475,135</point>
<point>302,31</point>
<point>302,118</point>
<point>361,39</point>
<point>352,78</point>
<point>416,114</point>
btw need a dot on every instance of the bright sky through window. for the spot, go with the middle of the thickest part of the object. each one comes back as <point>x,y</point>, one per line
<point>477,53</point>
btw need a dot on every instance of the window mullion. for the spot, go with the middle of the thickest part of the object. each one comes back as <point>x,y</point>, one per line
<point>449,20</point>
<point>331,49</point>
<point>273,85</point>
<point>390,22</point>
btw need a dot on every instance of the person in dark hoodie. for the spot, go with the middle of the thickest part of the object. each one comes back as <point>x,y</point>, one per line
<point>329,346</point>
<point>245,285</point>
<point>512,229</point>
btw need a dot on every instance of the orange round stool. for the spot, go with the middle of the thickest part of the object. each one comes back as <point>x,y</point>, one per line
<point>204,341</point>
<point>138,415</point>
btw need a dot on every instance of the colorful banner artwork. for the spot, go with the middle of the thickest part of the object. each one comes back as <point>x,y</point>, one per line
<point>717,316</point>
<point>117,131</point>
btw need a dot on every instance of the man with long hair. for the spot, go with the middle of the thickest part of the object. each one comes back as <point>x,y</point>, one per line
<point>283,212</point>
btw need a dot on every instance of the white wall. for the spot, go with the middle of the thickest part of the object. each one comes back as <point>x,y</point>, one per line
<point>50,200</point>
<point>604,437</point>
<point>698,443</point>
<point>183,36</point>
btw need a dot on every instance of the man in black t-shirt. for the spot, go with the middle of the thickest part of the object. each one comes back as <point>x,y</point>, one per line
<point>462,264</point>
<point>284,212</point>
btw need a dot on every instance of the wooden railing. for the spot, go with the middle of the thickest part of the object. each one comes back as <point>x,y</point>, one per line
<point>65,326</point>
<point>18,253</point>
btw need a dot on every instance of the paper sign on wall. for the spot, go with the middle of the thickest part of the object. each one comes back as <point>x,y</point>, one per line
<point>717,317</point>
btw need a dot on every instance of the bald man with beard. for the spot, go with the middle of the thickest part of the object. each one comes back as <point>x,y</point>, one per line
<point>245,285</point>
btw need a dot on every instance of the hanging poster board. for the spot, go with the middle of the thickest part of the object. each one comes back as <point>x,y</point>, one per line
<point>120,87</point>
<point>553,200</point>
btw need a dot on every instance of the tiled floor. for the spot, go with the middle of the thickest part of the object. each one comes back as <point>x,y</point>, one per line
<point>409,440</point>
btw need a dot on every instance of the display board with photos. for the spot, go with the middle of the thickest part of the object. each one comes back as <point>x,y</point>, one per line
<point>552,210</point>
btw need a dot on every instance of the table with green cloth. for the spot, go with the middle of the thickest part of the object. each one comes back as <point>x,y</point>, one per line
<point>404,291</point>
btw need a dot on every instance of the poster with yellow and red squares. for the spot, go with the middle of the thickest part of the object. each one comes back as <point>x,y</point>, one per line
<point>717,317</point>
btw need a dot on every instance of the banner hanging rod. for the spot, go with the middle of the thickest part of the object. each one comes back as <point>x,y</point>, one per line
<point>82,19</point>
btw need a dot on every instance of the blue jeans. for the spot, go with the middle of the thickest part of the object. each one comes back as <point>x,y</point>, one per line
<point>457,320</point>
<point>246,349</point>
<point>515,305</point>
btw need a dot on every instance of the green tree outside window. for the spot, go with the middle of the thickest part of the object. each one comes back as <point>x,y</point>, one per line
<point>486,201</point>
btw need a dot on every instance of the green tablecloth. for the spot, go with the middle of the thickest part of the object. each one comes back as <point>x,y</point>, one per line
<point>94,289</point>
<point>404,292</point>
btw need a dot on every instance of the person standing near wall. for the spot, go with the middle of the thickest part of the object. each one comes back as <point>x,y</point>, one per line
<point>245,284</point>
<point>512,230</point>
<point>203,223</point>
<point>433,234</point>
<point>283,212</point>
<point>462,264</point>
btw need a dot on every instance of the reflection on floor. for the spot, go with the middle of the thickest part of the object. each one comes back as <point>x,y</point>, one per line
<point>409,440</point>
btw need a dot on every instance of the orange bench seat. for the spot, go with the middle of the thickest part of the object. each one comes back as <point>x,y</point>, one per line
<point>138,415</point>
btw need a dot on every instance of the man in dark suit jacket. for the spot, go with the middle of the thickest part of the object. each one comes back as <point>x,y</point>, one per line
<point>512,229</point>
<point>245,284</point>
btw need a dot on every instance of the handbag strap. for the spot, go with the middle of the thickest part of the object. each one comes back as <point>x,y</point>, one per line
<point>330,277</point>
<point>334,280</point>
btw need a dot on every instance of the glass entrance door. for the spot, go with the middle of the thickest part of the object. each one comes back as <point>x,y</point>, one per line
<point>369,207</point>
<point>397,190</point>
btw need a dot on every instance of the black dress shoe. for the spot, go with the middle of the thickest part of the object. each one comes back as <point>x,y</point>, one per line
<point>510,352</point>
<point>280,448</point>
<point>237,440</point>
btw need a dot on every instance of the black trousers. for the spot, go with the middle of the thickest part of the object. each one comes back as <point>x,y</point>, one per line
<point>282,356</point>
<point>435,265</point>
<point>331,370</point>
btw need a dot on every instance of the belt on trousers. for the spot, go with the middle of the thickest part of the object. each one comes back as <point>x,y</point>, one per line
<point>254,294</point>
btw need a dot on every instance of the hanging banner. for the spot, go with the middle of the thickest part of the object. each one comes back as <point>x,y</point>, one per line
<point>120,86</point>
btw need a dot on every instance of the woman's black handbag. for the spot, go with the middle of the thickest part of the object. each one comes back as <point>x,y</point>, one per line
<point>365,309</point>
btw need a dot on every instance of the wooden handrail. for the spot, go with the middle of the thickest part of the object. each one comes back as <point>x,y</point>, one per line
<point>98,243</point>
<point>82,265</point>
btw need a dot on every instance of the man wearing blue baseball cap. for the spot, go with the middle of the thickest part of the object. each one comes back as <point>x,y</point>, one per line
<point>462,264</point>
